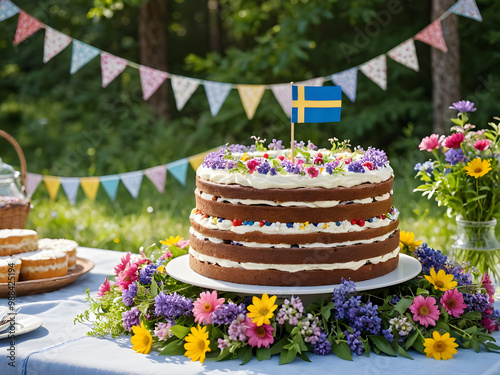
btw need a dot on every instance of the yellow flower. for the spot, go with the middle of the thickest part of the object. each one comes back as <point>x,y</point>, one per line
<point>440,347</point>
<point>477,167</point>
<point>142,340</point>
<point>160,269</point>
<point>407,241</point>
<point>245,157</point>
<point>261,310</point>
<point>197,344</point>
<point>171,241</point>
<point>441,280</point>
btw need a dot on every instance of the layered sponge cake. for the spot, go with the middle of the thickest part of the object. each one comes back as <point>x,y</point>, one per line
<point>17,241</point>
<point>263,219</point>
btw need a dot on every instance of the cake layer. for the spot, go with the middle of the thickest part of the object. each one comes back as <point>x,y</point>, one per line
<point>366,190</point>
<point>282,278</point>
<point>17,241</point>
<point>293,214</point>
<point>61,244</point>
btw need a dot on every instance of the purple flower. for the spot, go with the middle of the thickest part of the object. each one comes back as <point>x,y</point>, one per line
<point>311,146</point>
<point>299,144</point>
<point>430,258</point>
<point>275,145</point>
<point>329,167</point>
<point>476,302</point>
<point>454,156</point>
<point>354,344</point>
<point>216,160</point>
<point>129,294</point>
<point>387,333</point>
<point>226,313</point>
<point>273,171</point>
<point>356,167</point>
<point>322,346</point>
<point>428,167</point>
<point>237,329</point>
<point>376,156</point>
<point>146,274</point>
<point>131,318</point>
<point>264,168</point>
<point>463,106</point>
<point>291,312</point>
<point>172,306</point>
<point>291,167</point>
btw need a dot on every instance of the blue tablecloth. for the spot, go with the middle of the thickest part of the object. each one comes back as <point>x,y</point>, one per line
<point>61,347</point>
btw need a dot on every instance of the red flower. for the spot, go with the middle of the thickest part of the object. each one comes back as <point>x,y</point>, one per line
<point>369,165</point>
<point>252,165</point>
<point>429,143</point>
<point>482,144</point>
<point>454,140</point>
<point>313,172</point>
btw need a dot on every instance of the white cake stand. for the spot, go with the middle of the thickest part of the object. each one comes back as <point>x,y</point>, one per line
<point>179,269</point>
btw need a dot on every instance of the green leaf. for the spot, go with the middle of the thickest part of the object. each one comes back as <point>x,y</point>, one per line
<point>366,344</point>
<point>245,354</point>
<point>304,357</point>
<point>180,331</point>
<point>411,339</point>
<point>154,288</point>
<point>443,326</point>
<point>491,346</point>
<point>279,346</point>
<point>326,310</point>
<point>403,353</point>
<point>403,305</point>
<point>422,292</point>
<point>176,347</point>
<point>342,350</point>
<point>382,344</point>
<point>263,354</point>
<point>287,356</point>
<point>418,345</point>
<point>223,355</point>
<point>475,345</point>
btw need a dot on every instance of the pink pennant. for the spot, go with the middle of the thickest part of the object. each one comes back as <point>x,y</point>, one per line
<point>158,176</point>
<point>376,70</point>
<point>26,26</point>
<point>151,80</point>
<point>54,43</point>
<point>111,67</point>
<point>433,36</point>
<point>405,54</point>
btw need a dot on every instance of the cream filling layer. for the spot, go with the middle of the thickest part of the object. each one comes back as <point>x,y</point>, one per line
<point>201,237</point>
<point>321,204</point>
<point>345,226</point>
<point>354,265</point>
<point>25,242</point>
<point>51,267</point>
<point>290,181</point>
<point>5,233</point>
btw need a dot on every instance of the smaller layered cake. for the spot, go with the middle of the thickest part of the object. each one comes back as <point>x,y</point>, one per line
<point>9,266</point>
<point>67,246</point>
<point>43,264</point>
<point>17,241</point>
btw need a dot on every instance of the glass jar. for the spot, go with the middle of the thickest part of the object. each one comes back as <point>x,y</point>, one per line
<point>10,186</point>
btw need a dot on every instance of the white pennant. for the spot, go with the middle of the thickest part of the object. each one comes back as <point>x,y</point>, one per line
<point>54,43</point>
<point>405,54</point>
<point>183,88</point>
<point>376,70</point>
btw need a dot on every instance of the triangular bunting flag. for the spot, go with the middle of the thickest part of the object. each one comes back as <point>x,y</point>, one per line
<point>196,160</point>
<point>183,88</point>
<point>250,97</point>
<point>26,26</point>
<point>90,185</point>
<point>178,169</point>
<point>54,43</point>
<point>111,67</point>
<point>32,182</point>
<point>52,183</point>
<point>217,93</point>
<point>70,186</point>
<point>82,54</point>
<point>348,82</point>
<point>7,9</point>
<point>405,54</point>
<point>376,70</point>
<point>132,181</point>
<point>110,185</point>
<point>157,175</point>
<point>467,8</point>
<point>433,36</point>
<point>283,92</point>
<point>151,80</point>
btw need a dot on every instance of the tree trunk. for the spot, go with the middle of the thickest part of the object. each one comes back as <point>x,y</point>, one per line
<point>214,26</point>
<point>445,68</point>
<point>153,48</point>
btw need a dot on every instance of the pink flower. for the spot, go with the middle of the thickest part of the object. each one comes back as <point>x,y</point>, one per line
<point>454,140</point>
<point>490,325</point>
<point>252,165</point>
<point>368,165</point>
<point>123,264</point>
<point>259,335</point>
<point>318,159</point>
<point>167,255</point>
<point>312,171</point>
<point>163,332</point>
<point>182,244</point>
<point>453,302</point>
<point>127,276</point>
<point>141,260</point>
<point>482,144</point>
<point>429,143</point>
<point>105,287</point>
<point>205,305</point>
<point>488,286</point>
<point>425,310</point>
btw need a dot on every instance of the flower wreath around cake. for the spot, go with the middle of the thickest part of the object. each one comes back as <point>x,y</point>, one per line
<point>446,307</point>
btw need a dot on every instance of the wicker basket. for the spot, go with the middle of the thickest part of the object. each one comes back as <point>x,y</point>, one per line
<point>14,216</point>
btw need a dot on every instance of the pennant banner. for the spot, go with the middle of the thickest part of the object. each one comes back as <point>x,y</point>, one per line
<point>157,175</point>
<point>250,97</point>
<point>110,185</point>
<point>376,70</point>
<point>467,8</point>
<point>433,36</point>
<point>405,54</point>
<point>348,81</point>
<point>132,181</point>
<point>54,43</point>
<point>26,26</point>
<point>183,88</point>
<point>52,183</point>
<point>111,67</point>
<point>70,186</point>
<point>90,185</point>
<point>178,169</point>
<point>82,54</point>
<point>7,9</point>
<point>283,92</point>
<point>151,80</point>
<point>32,182</point>
<point>217,93</point>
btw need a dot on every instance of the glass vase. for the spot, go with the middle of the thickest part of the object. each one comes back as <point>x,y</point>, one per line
<point>477,244</point>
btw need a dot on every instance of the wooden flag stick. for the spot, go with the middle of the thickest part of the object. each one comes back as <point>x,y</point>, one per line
<point>292,147</point>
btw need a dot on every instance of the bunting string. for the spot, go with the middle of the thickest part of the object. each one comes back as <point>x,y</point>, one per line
<point>184,87</point>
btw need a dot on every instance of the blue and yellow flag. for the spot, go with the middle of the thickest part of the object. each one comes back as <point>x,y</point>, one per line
<point>316,104</point>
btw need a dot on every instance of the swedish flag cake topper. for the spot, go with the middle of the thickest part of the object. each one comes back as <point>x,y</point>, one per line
<point>316,104</point>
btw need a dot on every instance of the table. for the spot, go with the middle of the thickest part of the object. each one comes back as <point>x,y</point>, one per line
<point>60,347</point>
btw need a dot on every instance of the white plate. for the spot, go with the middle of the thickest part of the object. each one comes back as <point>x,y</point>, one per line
<point>179,269</point>
<point>24,324</point>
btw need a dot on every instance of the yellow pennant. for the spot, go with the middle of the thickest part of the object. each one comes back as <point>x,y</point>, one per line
<point>197,160</point>
<point>250,97</point>
<point>52,183</point>
<point>90,185</point>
